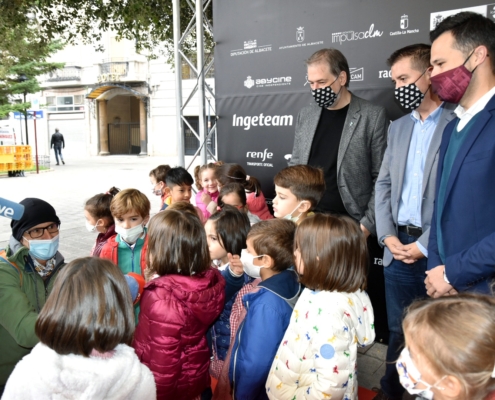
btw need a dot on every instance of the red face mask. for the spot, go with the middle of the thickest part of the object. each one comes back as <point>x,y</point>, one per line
<point>451,85</point>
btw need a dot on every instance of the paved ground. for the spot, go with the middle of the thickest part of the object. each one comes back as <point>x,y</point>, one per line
<point>67,187</point>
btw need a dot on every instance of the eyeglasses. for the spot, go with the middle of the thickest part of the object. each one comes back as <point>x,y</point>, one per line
<point>38,232</point>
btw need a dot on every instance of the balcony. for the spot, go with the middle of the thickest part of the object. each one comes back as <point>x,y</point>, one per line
<point>68,73</point>
<point>122,70</point>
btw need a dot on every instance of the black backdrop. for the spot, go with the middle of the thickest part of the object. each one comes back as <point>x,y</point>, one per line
<point>260,75</point>
<point>260,50</point>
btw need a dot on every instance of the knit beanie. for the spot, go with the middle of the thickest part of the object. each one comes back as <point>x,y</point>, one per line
<point>36,211</point>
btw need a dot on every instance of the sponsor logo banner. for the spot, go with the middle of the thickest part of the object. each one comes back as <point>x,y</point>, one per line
<point>300,39</point>
<point>404,25</point>
<point>357,74</point>
<point>347,36</point>
<point>268,82</point>
<point>247,122</point>
<point>439,16</point>
<point>251,47</point>
<point>260,158</point>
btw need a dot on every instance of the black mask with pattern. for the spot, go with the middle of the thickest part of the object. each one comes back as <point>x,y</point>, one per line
<point>409,96</point>
<point>325,97</point>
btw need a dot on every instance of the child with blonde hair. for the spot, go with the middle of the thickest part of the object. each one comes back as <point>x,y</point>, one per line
<point>317,356</point>
<point>178,306</point>
<point>450,348</point>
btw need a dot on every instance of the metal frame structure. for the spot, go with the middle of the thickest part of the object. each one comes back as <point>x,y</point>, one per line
<point>199,23</point>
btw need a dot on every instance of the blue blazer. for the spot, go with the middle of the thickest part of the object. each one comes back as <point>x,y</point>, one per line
<point>468,218</point>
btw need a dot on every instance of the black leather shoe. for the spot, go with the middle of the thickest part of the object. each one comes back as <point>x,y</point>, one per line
<point>57,164</point>
<point>63,162</point>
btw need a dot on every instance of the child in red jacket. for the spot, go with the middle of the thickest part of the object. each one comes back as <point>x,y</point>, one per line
<point>178,306</point>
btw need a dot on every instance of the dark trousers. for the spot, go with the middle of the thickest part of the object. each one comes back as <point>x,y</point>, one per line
<point>404,283</point>
<point>58,152</point>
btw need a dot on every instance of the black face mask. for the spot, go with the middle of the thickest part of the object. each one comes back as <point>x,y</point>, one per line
<point>409,96</point>
<point>325,97</point>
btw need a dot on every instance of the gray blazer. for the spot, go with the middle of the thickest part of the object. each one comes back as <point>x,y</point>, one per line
<point>389,183</point>
<point>359,156</point>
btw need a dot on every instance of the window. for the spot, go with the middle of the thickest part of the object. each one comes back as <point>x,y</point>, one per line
<point>65,103</point>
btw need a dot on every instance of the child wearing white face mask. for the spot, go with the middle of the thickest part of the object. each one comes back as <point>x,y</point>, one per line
<point>267,309</point>
<point>450,350</point>
<point>131,211</point>
<point>99,218</point>
<point>298,190</point>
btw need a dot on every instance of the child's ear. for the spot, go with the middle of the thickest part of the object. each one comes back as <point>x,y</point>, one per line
<point>267,261</point>
<point>146,220</point>
<point>452,387</point>
<point>167,190</point>
<point>304,207</point>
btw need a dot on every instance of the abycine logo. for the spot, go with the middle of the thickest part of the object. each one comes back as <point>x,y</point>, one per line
<point>300,34</point>
<point>249,83</point>
<point>262,82</point>
<point>357,74</point>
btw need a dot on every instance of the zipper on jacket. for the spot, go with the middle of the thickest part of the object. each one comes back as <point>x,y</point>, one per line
<point>237,349</point>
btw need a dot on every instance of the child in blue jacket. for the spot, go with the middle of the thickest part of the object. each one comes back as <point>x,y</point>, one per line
<point>269,256</point>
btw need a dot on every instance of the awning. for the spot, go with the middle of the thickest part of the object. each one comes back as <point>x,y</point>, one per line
<point>99,90</point>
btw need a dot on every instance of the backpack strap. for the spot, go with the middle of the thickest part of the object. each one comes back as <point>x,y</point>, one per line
<point>3,257</point>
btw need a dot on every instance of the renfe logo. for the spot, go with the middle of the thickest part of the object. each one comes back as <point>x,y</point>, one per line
<point>262,120</point>
<point>258,154</point>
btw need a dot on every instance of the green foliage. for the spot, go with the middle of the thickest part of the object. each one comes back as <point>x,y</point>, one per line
<point>149,23</point>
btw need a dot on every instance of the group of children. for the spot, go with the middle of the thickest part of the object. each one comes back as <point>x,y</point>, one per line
<point>269,307</point>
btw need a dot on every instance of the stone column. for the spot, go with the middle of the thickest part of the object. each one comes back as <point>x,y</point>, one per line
<point>103,127</point>
<point>142,127</point>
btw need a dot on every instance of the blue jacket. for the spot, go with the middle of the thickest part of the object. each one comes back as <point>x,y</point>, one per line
<point>260,333</point>
<point>468,217</point>
<point>220,332</point>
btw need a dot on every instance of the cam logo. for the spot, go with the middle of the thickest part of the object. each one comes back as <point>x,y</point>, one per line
<point>357,74</point>
<point>300,34</point>
<point>404,22</point>
<point>249,83</point>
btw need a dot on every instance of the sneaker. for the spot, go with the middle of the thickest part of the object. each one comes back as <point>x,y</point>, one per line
<point>63,162</point>
<point>57,164</point>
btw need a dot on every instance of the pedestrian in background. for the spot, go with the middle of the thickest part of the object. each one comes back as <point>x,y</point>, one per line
<point>57,144</point>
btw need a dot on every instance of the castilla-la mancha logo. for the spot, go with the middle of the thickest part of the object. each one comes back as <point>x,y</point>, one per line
<point>300,34</point>
<point>249,83</point>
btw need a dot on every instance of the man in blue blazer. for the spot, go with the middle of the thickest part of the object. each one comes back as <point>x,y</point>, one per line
<point>404,195</point>
<point>461,250</point>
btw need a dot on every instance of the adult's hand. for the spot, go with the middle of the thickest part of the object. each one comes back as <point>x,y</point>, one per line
<point>414,251</point>
<point>436,286</point>
<point>397,249</point>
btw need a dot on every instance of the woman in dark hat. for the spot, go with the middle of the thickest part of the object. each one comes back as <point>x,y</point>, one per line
<point>28,268</point>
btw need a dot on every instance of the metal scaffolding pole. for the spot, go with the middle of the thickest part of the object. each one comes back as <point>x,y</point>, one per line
<point>178,83</point>
<point>201,80</point>
<point>200,69</point>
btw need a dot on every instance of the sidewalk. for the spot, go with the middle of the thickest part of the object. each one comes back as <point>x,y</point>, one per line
<point>67,187</point>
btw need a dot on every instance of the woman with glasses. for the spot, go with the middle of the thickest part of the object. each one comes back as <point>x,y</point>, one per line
<point>28,267</point>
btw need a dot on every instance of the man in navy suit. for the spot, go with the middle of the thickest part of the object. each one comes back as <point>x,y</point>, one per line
<point>461,249</point>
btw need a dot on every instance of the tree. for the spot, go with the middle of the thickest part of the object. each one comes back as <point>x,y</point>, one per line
<point>149,23</point>
<point>23,58</point>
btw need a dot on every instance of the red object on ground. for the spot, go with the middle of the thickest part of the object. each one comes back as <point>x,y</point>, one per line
<point>363,394</point>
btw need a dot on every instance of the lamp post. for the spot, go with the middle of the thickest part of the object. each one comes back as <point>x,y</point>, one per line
<point>23,78</point>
